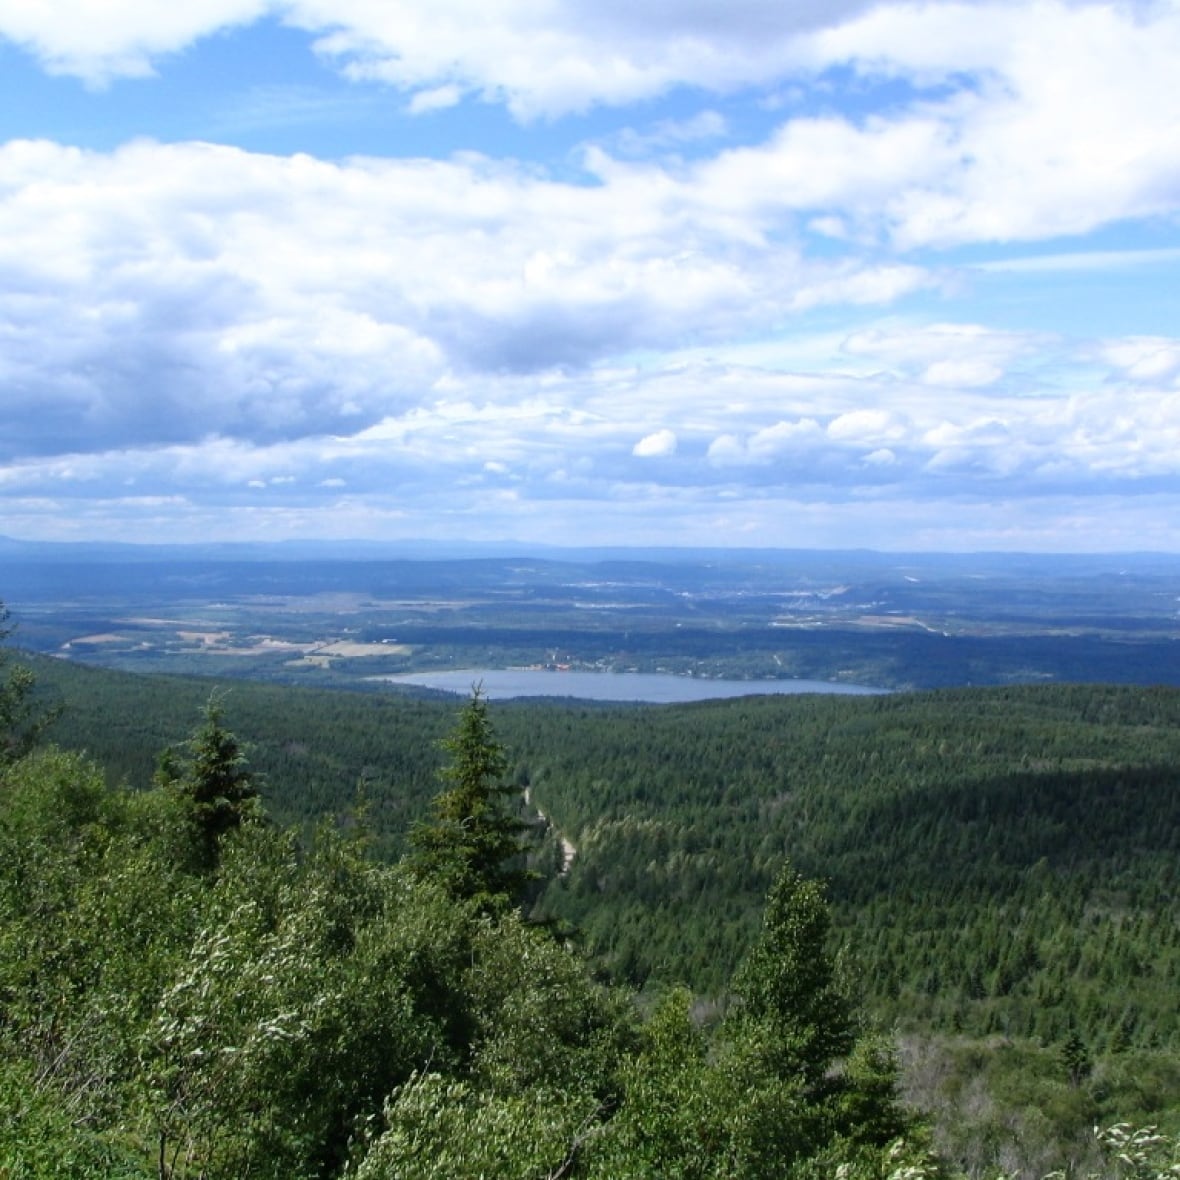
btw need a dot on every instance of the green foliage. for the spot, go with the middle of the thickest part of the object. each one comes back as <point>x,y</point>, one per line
<point>313,750</point>
<point>443,1129</point>
<point>1140,1153</point>
<point>1003,876</point>
<point>794,1031</point>
<point>780,1088</point>
<point>471,845</point>
<point>540,1019</point>
<point>42,1137</point>
<point>52,832</point>
<point>298,1007</point>
<point>90,920</point>
<point>1075,1057</point>
<point>212,782</point>
<point>667,1121</point>
<point>22,719</point>
<point>1000,862</point>
<point>303,1012</point>
<point>787,984</point>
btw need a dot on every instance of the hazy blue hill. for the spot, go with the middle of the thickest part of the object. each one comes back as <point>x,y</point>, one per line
<point>281,612</point>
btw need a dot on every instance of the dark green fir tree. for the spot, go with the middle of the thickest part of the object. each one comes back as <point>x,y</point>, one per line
<point>472,844</point>
<point>212,781</point>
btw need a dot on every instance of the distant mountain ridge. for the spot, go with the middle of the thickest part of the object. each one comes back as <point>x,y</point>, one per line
<point>436,550</point>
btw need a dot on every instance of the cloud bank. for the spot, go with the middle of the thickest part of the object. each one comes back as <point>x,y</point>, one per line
<point>772,337</point>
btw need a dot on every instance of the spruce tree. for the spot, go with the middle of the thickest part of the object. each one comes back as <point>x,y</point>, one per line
<point>471,844</point>
<point>212,780</point>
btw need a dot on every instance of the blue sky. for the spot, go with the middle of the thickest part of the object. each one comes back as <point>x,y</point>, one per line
<point>702,272</point>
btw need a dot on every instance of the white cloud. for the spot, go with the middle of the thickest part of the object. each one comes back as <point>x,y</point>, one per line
<point>438,98</point>
<point>199,320</point>
<point>783,436</point>
<point>1050,523</point>
<point>1059,118</point>
<point>727,450</point>
<point>165,292</point>
<point>768,444</point>
<point>1145,360</point>
<point>441,463</point>
<point>542,60</point>
<point>1071,123</point>
<point>659,445</point>
<point>867,427</point>
<point>567,55</point>
<point>962,373</point>
<point>181,318</point>
<point>962,356</point>
<point>1104,261</point>
<point>1051,118</point>
<point>117,38</point>
<point>672,134</point>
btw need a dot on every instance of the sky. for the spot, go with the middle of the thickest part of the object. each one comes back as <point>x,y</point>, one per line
<point>779,273</point>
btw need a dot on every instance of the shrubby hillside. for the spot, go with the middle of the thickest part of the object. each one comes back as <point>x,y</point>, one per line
<point>190,990</point>
<point>1001,880</point>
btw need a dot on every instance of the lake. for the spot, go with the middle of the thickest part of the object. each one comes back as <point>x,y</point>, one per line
<point>660,688</point>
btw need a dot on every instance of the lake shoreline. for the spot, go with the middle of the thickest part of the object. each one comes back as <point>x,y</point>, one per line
<point>660,688</point>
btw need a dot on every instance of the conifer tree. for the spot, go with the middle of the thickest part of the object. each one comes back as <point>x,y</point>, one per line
<point>471,844</point>
<point>213,781</point>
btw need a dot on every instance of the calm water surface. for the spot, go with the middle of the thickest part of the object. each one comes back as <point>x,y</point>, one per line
<point>650,687</point>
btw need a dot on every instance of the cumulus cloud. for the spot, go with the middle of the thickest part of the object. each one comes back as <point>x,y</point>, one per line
<point>659,445</point>
<point>559,56</point>
<point>962,373</point>
<point>120,38</point>
<point>186,320</point>
<point>166,292</point>
<point>962,356</point>
<point>867,427</point>
<point>542,61</point>
<point>435,462</point>
<point>1026,121</point>
<point>1025,139</point>
<point>1067,125</point>
<point>139,305</point>
<point>1146,360</point>
<point>439,98</point>
<point>671,134</point>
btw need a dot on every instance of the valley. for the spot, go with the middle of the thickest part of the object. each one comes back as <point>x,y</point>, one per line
<point>879,620</point>
<point>994,825</point>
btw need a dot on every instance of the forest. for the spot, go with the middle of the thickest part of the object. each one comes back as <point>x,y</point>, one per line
<point>282,932</point>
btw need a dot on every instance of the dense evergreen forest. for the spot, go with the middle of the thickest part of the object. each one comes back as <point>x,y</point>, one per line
<point>999,868</point>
